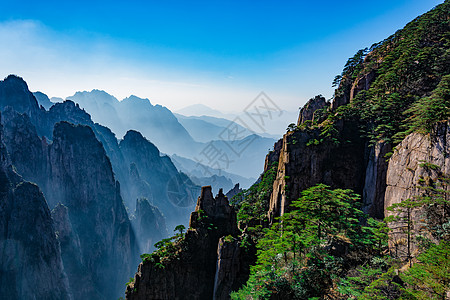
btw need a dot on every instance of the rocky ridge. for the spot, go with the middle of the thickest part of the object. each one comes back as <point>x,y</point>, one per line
<point>201,257</point>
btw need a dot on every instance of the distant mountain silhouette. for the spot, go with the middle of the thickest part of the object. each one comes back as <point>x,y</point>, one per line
<point>198,110</point>
<point>201,134</point>
<point>155,122</point>
<point>43,100</point>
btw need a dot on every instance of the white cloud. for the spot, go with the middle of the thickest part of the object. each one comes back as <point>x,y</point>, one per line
<point>60,64</point>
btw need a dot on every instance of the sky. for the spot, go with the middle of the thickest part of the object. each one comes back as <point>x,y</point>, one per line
<point>177,53</point>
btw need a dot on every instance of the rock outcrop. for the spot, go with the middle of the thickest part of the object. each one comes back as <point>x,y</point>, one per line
<point>80,177</point>
<point>43,100</point>
<point>302,164</point>
<point>30,258</point>
<point>417,161</point>
<point>149,225</point>
<point>234,191</point>
<point>233,266</point>
<point>156,178</point>
<point>310,109</point>
<point>196,258</point>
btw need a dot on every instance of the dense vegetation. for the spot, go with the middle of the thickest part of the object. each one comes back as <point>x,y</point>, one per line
<point>408,79</point>
<point>326,247</point>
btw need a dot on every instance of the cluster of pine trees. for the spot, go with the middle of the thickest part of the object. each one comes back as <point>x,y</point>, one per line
<point>327,248</point>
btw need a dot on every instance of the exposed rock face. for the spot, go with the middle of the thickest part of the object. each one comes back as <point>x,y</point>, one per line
<point>14,93</point>
<point>300,166</point>
<point>362,84</point>
<point>213,218</point>
<point>307,113</point>
<point>43,100</point>
<point>82,284</point>
<point>233,266</point>
<point>406,168</point>
<point>26,149</point>
<point>234,191</point>
<point>149,225</point>
<point>175,192</point>
<point>81,177</point>
<point>375,180</point>
<point>273,156</point>
<point>30,258</point>
<point>30,266</point>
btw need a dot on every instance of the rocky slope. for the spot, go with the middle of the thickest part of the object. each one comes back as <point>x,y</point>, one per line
<point>148,216</point>
<point>80,177</point>
<point>202,260</point>
<point>72,165</point>
<point>419,161</point>
<point>302,164</point>
<point>156,178</point>
<point>30,258</point>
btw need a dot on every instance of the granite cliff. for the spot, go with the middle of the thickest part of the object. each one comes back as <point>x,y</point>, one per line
<point>77,167</point>
<point>30,262</point>
<point>207,256</point>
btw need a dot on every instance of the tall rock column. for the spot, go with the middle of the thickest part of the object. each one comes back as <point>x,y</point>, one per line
<point>418,160</point>
<point>189,273</point>
<point>30,257</point>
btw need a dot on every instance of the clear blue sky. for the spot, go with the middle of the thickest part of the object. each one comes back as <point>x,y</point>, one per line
<point>219,53</point>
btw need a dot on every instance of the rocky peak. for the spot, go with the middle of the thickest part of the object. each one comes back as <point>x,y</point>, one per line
<point>14,92</point>
<point>71,112</point>
<point>134,140</point>
<point>30,257</point>
<point>43,100</point>
<point>307,113</point>
<point>234,191</point>
<point>136,99</point>
<point>217,209</point>
<point>197,258</point>
<point>81,178</point>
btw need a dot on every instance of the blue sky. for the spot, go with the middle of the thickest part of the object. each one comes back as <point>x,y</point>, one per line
<point>176,53</point>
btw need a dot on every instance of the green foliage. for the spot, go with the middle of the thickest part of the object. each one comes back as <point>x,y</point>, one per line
<point>429,277</point>
<point>427,111</point>
<point>403,218</point>
<point>297,257</point>
<point>291,127</point>
<point>166,249</point>
<point>180,228</point>
<point>254,204</point>
<point>410,80</point>
<point>130,281</point>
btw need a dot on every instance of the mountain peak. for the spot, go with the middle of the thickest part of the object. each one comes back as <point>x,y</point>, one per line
<point>137,99</point>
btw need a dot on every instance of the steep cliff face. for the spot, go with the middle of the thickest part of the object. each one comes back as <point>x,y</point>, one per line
<point>14,93</point>
<point>30,258</point>
<point>26,150</point>
<point>310,111</point>
<point>149,225</point>
<point>233,266</point>
<point>81,177</point>
<point>156,178</point>
<point>375,179</point>
<point>418,161</point>
<point>82,285</point>
<point>195,257</point>
<point>303,163</point>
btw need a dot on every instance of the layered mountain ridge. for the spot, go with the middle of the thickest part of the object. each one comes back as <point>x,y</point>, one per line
<point>76,163</point>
